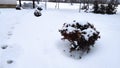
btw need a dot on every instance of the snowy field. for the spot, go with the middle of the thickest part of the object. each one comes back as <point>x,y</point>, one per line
<point>34,42</point>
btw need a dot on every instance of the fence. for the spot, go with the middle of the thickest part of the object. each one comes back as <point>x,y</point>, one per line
<point>8,3</point>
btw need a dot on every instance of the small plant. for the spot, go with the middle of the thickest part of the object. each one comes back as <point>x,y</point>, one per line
<point>37,12</point>
<point>81,36</point>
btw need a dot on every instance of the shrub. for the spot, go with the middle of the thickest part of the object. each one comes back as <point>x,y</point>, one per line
<point>37,13</point>
<point>81,36</point>
<point>102,9</point>
<point>39,8</point>
<point>110,9</point>
<point>96,7</point>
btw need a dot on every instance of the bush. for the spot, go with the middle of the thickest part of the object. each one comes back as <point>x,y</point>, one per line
<point>102,9</point>
<point>96,7</point>
<point>37,13</point>
<point>110,9</point>
<point>39,8</point>
<point>81,36</point>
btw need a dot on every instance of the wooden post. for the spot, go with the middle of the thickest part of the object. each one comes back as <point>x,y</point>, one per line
<point>38,1</point>
<point>20,3</point>
<point>33,3</point>
<point>57,4</point>
<point>80,6</point>
<point>45,4</point>
<point>71,1</point>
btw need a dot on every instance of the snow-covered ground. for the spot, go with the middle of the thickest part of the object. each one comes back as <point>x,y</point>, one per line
<point>34,42</point>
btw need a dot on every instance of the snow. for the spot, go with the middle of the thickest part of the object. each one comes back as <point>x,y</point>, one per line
<point>34,42</point>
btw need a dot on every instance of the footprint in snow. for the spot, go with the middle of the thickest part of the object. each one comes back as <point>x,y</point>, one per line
<point>9,54</point>
<point>10,33</point>
<point>9,61</point>
<point>4,46</point>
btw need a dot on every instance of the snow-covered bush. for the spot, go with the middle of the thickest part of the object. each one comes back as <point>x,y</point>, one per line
<point>102,9</point>
<point>95,7</point>
<point>81,36</point>
<point>109,8</point>
<point>37,13</point>
<point>39,8</point>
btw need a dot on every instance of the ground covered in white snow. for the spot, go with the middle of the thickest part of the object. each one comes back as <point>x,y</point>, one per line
<point>34,42</point>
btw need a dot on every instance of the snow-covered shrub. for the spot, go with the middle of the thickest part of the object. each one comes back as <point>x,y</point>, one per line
<point>37,13</point>
<point>104,9</point>
<point>81,36</point>
<point>95,7</point>
<point>39,8</point>
<point>111,9</point>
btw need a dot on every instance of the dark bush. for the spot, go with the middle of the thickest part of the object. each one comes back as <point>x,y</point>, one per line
<point>81,36</point>
<point>96,7</point>
<point>102,9</point>
<point>110,9</point>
